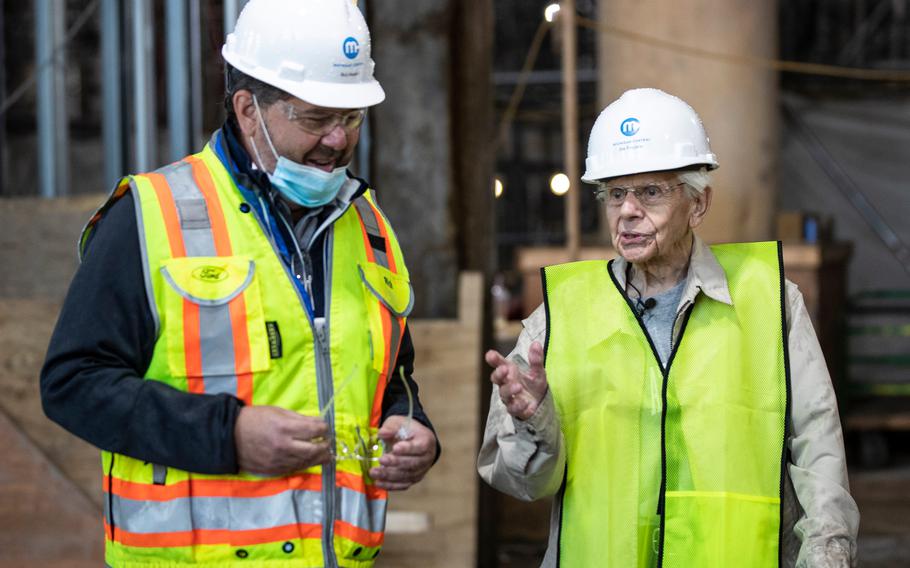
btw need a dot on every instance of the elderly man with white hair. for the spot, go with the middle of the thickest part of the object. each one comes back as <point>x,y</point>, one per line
<point>675,400</point>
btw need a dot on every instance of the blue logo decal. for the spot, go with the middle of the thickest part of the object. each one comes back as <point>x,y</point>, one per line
<point>629,126</point>
<point>350,48</point>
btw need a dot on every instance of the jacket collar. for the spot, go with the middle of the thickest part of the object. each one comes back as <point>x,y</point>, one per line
<point>705,274</point>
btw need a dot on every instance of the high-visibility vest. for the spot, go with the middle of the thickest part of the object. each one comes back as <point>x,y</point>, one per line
<point>714,421</point>
<point>230,319</point>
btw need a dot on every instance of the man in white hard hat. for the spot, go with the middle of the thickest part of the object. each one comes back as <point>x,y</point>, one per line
<point>235,339</point>
<point>674,400</point>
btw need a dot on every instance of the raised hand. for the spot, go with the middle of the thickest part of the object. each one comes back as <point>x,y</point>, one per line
<point>520,390</point>
<point>275,441</point>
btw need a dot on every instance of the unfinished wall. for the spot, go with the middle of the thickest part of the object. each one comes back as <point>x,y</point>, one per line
<point>412,149</point>
<point>737,102</point>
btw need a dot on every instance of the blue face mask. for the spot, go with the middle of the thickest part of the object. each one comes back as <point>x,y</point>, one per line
<point>298,183</point>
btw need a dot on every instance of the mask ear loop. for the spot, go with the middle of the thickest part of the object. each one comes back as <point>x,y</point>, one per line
<point>268,137</point>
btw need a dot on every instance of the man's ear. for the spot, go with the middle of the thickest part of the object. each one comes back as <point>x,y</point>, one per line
<point>700,205</point>
<point>245,111</point>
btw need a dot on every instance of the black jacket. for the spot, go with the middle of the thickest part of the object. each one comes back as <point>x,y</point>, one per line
<point>91,382</point>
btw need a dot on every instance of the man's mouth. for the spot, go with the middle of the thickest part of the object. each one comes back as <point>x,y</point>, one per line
<point>630,238</point>
<point>325,165</point>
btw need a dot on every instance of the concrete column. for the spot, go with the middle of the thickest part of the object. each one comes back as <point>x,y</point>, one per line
<point>737,103</point>
<point>412,147</point>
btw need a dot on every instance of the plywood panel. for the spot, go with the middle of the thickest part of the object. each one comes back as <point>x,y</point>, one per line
<point>448,371</point>
<point>45,520</point>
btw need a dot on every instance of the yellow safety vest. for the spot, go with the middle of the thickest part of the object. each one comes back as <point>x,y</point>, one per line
<point>230,319</point>
<point>715,419</point>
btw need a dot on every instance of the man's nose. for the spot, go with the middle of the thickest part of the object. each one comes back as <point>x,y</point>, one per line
<point>630,207</point>
<point>337,139</point>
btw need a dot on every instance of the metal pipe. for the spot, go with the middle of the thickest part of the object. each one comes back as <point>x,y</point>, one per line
<point>51,130</point>
<point>363,147</point>
<point>232,9</point>
<point>195,74</point>
<point>177,78</point>
<point>570,124</point>
<point>112,117</point>
<point>143,93</point>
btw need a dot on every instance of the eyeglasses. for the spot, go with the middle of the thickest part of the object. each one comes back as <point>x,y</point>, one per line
<point>320,122</point>
<point>650,195</point>
<point>367,447</point>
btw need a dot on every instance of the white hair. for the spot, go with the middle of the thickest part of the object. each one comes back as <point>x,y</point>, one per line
<point>696,180</point>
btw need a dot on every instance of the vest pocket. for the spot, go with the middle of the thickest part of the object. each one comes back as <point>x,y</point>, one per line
<point>392,290</point>
<point>213,320</point>
<point>389,299</point>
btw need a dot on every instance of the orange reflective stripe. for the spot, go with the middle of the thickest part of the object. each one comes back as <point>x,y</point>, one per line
<point>216,214</point>
<point>242,363</point>
<point>376,413</point>
<point>385,234</point>
<point>192,347</point>
<point>208,536</point>
<point>213,487</point>
<point>169,212</point>
<point>356,483</point>
<point>358,535</point>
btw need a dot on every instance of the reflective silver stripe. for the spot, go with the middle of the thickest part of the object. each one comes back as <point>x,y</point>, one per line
<point>358,510</point>
<point>218,513</point>
<point>197,234</point>
<point>143,250</point>
<point>215,331</point>
<point>217,343</point>
<point>371,224</point>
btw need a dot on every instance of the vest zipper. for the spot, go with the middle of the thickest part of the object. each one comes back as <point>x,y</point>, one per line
<point>325,390</point>
<point>662,497</point>
<point>324,383</point>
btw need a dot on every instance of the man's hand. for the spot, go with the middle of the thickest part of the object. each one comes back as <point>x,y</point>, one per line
<point>408,460</point>
<point>275,441</point>
<point>521,392</point>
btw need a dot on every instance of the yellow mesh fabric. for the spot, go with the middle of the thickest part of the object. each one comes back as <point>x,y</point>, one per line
<point>726,397</point>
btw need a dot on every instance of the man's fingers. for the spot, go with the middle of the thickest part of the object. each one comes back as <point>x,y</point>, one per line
<point>412,464</point>
<point>395,475</point>
<point>308,454</point>
<point>535,360</point>
<point>389,486</point>
<point>302,427</point>
<point>494,358</point>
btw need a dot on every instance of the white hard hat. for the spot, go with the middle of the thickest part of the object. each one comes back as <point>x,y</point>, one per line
<point>646,130</point>
<point>315,50</point>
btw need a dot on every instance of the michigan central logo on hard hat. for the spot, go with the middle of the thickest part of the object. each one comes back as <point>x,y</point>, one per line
<point>350,48</point>
<point>629,126</point>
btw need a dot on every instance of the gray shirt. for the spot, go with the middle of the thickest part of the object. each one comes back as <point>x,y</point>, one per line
<point>659,319</point>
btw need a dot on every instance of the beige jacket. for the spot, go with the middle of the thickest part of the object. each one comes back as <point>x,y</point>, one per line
<point>526,459</point>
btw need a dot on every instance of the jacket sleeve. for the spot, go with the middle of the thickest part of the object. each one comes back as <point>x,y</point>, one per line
<point>818,467</point>
<point>395,400</point>
<point>91,382</point>
<point>523,458</point>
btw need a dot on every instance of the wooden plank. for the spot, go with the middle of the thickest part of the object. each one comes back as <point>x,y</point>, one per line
<point>25,329</point>
<point>45,519</point>
<point>448,371</point>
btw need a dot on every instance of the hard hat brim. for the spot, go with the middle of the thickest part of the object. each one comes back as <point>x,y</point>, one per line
<point>319,93</point>
<point>593,176</point>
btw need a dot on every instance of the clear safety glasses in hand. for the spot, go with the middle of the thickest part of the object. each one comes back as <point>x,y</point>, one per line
<point>364,445</point>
